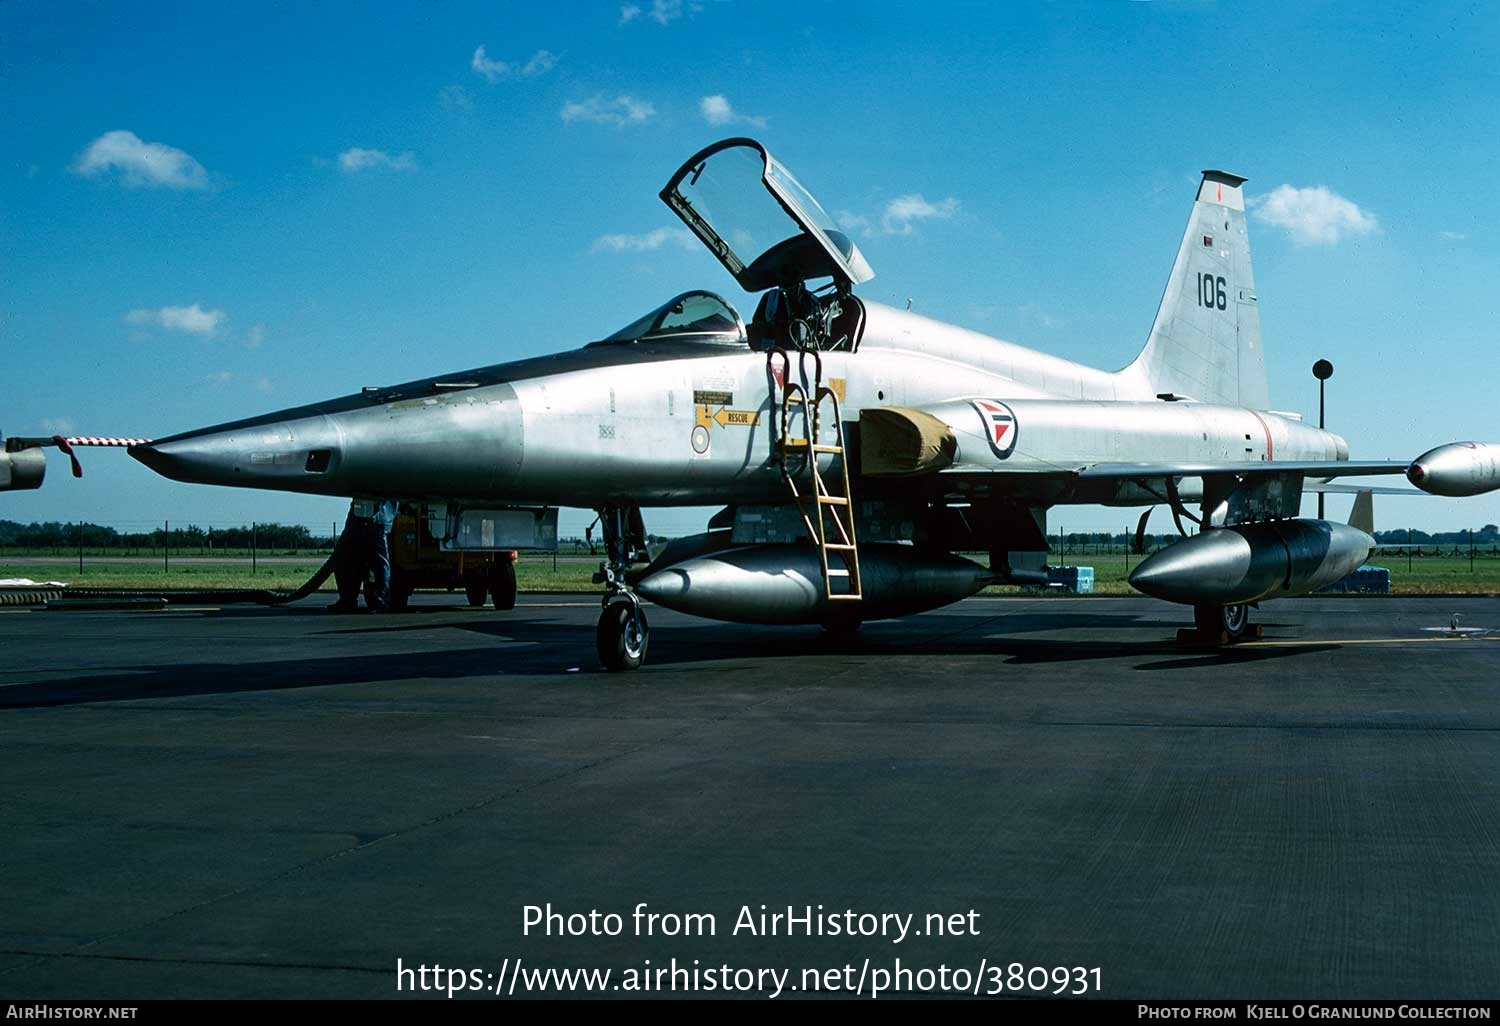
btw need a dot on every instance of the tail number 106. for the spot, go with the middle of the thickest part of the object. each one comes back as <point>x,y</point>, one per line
<point>1211,292</point>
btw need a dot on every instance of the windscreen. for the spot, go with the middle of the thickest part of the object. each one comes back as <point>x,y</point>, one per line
<point>693,314</point>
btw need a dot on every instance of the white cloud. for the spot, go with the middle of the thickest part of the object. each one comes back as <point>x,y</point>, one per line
<point>1316,216</point>
<point>357,159</point>
<point>621,111</point>
<point>852,222</point>
<point>263,384</point>
<point>140,163</point>
<point>646,242</point>
<point>222,377</point>
<point>716,110</point>
<point>494,71</point>
<point>899,216</point>
<point>1454,236</point>
<point>455,97</point>
<point>903,210</point>
<point>663,12</point>
<point>190,320</point>
<point>58,426</point>
<point>255,337</point>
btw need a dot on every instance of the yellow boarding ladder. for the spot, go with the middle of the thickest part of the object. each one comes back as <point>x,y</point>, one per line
<point>838,549</point>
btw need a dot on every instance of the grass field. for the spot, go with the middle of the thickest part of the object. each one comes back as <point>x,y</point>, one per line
<point>1428,575</point>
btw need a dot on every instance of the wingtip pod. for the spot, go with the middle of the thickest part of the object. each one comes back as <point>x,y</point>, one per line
<point>1457,470</point>
<point>22,470</point>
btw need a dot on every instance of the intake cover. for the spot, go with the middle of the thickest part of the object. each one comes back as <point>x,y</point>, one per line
<point>897,441</point>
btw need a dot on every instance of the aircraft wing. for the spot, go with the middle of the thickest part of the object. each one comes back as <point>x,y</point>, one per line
<point>1144,482</point>
<point>1322,469</point>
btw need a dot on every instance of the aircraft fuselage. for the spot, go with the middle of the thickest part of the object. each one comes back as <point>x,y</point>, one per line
<point>686,422</point>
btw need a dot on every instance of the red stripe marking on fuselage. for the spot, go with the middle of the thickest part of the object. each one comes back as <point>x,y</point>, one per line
<point>1270,452</point>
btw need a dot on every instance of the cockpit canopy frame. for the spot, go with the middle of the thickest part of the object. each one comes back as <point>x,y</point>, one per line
<point>777,241</point>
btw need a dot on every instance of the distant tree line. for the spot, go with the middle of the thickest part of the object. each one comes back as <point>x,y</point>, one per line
<point>56,535</point>
<point>1489,534</point>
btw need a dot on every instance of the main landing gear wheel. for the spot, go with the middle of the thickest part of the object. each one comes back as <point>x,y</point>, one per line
<point>622,636</point>
<point>503,584</point>
<point>1232,623</point>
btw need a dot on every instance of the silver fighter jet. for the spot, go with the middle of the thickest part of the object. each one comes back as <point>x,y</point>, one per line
<point>854,448</point>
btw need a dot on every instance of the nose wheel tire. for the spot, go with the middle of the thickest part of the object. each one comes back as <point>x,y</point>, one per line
<point>1230,622</point>
<point>622,636</point>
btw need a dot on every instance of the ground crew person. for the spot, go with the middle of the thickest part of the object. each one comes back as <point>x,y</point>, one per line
<point>364,547</point>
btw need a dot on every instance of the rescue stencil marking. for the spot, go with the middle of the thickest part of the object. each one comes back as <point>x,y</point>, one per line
<point>1000,428</point>
<point>707,398</point>
<point>707,417</point>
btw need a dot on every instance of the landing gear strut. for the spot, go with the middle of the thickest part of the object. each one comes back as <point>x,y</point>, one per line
<point>1225,623</point>
<point>623,633</point>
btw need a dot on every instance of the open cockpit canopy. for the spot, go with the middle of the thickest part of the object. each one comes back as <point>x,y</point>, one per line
<point>758,220</point>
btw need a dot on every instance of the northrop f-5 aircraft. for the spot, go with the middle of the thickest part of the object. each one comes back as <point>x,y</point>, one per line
<point>854,448</point>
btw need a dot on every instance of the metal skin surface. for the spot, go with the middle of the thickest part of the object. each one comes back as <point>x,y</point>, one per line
<point>1458,469</point>
<point>783,584</point>
<point>1253,562</point>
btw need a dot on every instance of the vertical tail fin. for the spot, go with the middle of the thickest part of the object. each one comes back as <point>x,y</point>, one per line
<point>1205,344</point>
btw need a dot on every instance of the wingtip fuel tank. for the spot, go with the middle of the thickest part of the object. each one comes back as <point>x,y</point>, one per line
<point>22,470</point>
<point>1458,469</point>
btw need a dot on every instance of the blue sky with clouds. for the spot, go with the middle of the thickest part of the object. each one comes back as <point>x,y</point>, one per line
<point>209,211</point>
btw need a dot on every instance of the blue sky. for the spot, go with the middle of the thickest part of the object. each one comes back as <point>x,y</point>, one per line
<point>209,211</point>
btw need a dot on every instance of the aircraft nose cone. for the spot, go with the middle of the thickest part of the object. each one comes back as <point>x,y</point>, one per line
<point>289,455</point>
<point>202,459</point>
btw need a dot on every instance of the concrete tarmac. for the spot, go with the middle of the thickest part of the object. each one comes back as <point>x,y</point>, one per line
<point>252,802</point>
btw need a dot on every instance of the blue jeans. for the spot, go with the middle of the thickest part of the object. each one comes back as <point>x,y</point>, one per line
<point>363,547</point>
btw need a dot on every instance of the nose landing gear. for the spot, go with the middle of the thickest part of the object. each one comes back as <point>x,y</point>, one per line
<point>623,632</point>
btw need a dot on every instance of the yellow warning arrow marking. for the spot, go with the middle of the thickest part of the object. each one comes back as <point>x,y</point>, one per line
<point>739,418</point>
<point>707,417</point>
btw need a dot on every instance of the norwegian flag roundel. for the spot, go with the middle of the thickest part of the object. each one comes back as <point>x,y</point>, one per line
<point>1000,427</point>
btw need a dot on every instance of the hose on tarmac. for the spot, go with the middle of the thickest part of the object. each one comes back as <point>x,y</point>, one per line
<point>224,596</point>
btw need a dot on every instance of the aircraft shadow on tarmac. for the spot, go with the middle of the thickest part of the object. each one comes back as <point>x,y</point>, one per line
<point>547,648</point>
